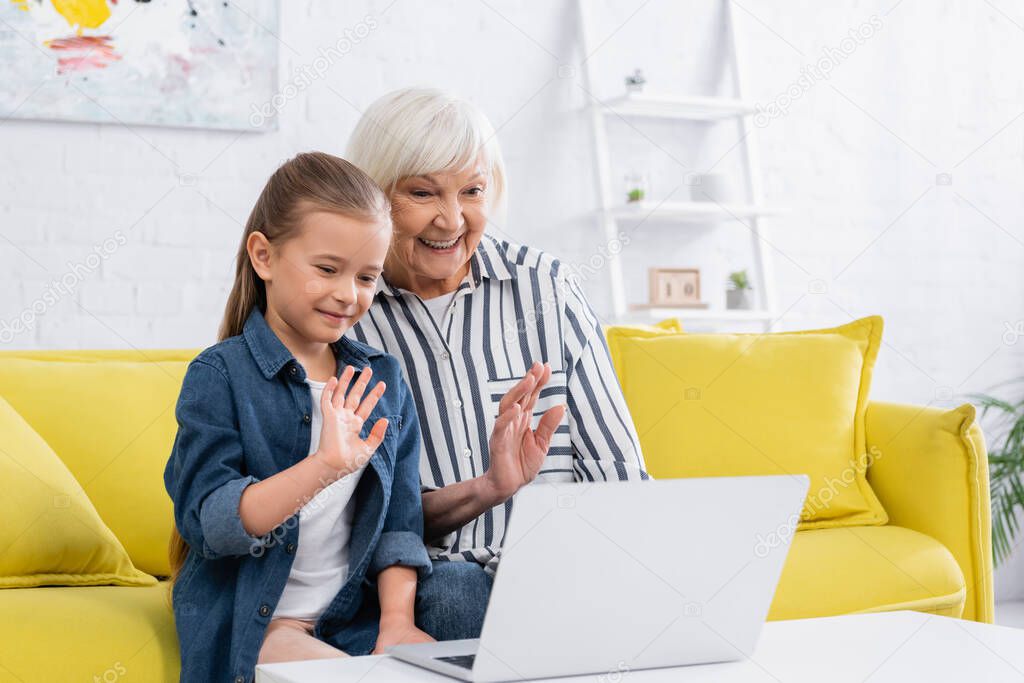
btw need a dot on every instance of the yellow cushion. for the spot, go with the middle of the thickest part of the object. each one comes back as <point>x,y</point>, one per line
<point>667,326</point>
<point>94,633</point>
<point>51,533</point>
<point>746,404</point>
<point>110,416</point>
<point>867,569</point>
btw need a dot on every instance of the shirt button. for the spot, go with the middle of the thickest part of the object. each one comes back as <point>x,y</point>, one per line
<point>294,370</point>
<point>239,679</point>
<point>444,355</point>
<point>264,610</point>
<point>457,403</point>
<point>467,453</point>
<point>306,418</point>
<point>290,548</point>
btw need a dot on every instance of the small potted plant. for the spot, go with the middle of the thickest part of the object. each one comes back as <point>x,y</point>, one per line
<point>636,187</point>
<point>635,82</point>
<point>739,294</point>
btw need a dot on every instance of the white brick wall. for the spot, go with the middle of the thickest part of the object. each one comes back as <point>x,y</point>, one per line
<point>935,89</point>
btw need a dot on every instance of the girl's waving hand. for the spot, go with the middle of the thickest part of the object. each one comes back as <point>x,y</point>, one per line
<point>345,410</point>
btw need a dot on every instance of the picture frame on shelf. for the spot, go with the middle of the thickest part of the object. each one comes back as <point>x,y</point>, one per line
<point>675,287</point>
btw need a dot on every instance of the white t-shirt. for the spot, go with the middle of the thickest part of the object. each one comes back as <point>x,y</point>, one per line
<point>325,525</point>
<point>438,305</point>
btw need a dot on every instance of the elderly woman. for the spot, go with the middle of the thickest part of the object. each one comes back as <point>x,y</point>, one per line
<point>490,335</point>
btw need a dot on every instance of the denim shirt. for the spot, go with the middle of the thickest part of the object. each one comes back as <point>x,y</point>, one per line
<point>244,414</point>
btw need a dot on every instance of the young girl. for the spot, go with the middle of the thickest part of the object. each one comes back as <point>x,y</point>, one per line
<point>295,481</point>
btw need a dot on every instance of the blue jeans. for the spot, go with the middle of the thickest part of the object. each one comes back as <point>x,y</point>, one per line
<point>452,601</point>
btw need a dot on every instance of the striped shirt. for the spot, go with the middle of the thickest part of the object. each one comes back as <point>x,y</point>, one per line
<point>517,305</point>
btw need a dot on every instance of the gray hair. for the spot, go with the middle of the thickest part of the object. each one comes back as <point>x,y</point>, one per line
<point>418,131</point>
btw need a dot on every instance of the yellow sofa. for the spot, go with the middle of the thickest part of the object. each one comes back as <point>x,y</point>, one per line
<point>110,416</point>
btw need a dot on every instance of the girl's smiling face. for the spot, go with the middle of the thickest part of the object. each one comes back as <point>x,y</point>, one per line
<point>322,278</point>
<point>439,219</point>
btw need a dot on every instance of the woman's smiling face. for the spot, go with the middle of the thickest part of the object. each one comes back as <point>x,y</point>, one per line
<point>439,219</point>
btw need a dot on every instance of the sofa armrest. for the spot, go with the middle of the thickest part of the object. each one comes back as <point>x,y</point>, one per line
<point>929,468</point>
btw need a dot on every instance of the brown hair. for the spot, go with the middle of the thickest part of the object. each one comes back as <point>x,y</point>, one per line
<point>310,181</point>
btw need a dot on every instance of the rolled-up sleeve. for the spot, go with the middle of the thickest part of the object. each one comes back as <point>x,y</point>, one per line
<point>403,548</point>
<point>205,475</point>
<point>401,542</point>
<point>604,441</point>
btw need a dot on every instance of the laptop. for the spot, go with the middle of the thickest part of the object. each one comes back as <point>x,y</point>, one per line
<point>605,578</point>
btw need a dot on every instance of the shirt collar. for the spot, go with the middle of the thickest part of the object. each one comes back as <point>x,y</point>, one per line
<point>487,261</point>
<point>271,354</point>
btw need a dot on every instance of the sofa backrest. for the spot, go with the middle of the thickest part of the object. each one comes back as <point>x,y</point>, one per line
<point>109,415</point>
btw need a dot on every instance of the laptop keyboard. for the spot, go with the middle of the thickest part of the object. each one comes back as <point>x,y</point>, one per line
<point>465,661</point>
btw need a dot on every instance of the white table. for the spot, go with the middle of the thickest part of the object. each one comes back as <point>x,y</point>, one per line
<point>893,646</point>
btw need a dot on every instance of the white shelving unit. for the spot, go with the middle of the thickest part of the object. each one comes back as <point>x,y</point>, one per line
<point>708,314</point>
<point>667,106</point>
<point>690,212</point>
<point>613,215</point>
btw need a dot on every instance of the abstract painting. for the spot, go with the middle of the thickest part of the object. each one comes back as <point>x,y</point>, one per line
<point>193,63</point>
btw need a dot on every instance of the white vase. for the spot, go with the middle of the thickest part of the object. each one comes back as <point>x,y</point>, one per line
<point>739,299</point>
<point>713,187</point>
